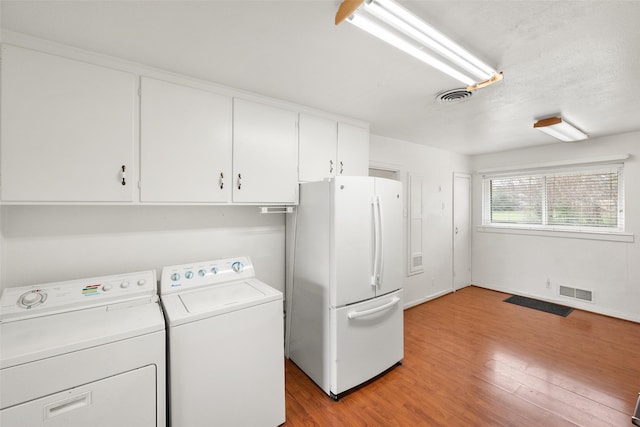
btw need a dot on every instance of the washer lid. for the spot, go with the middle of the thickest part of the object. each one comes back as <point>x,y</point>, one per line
<point>185,307</point>
<point>215,297</point>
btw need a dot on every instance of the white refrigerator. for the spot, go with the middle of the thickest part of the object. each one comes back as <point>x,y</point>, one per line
<point>346,310</point>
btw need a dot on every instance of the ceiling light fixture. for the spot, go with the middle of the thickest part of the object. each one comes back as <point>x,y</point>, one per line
<point>397,26</point>
<point>560,129</point>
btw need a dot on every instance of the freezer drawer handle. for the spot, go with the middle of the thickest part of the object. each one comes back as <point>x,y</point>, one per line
<point>356,314</point>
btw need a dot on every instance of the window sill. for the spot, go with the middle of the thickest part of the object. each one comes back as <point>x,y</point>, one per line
<point>588,235</point>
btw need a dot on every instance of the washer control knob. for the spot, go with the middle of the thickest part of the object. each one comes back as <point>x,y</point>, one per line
<point>124,285</point>
<point>142,282</point>
<point>237,266</point>
<point>106,287</point>
<point>188,274</point>
<point>175,276</point>
<point>202,272</point>
<point>214,270</point>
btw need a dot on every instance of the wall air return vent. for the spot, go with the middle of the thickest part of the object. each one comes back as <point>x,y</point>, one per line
<point>454,96</point>
<point>581,294</point>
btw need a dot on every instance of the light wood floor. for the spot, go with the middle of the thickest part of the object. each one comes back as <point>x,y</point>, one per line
<point>473,360</point>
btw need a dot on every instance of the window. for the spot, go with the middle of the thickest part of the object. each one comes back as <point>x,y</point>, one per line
<point>570,199</point>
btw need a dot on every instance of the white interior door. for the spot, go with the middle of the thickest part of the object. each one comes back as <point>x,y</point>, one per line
<point>461,230</point>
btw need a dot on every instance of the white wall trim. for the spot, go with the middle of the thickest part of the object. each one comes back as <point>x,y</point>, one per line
<point>566,234</point>
<point>427,298</point>
<point>559,163</point>
<point>568,303</point>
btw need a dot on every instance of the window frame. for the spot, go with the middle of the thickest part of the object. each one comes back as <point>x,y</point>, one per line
<point>544,228</point>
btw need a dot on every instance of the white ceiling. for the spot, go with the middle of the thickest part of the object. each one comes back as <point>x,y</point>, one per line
<point>577,58</point>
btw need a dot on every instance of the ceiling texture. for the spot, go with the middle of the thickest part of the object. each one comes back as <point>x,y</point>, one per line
<point>580,59</point>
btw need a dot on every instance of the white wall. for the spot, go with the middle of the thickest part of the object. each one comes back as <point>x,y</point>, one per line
<point>521,264</point>
<point>436,167</point>
<point>51,243</point>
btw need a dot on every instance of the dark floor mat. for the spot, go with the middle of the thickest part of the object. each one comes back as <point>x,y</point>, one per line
<point>548,307</point>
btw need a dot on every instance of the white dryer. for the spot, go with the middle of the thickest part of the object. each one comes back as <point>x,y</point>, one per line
<point>225,345</point>
<point>87,352</point>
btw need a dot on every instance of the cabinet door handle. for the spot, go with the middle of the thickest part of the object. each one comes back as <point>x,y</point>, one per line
<point>221,180</point>
<point>239,181</point>
<point>330,166</point>
<point>123,175</point>
<point>341,168</point>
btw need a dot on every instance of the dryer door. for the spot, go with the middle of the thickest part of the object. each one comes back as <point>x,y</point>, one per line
<point>121,400</point>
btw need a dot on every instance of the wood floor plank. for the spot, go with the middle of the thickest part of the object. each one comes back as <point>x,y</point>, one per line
<point>473,360</point>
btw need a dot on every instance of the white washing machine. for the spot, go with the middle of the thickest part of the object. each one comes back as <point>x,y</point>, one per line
<point>87,352</point>
<point>225,345</point>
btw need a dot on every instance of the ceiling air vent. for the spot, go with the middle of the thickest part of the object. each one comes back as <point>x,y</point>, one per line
<point>453,96</point>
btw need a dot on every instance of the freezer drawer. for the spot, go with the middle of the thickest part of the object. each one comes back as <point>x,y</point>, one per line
<point>367,339</point>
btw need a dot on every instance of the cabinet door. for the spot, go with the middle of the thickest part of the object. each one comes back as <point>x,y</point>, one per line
<point>67,129</point>
<point>185,144</point>
<point>317,148</point>
<point>265,153</point>
<point>353,150</point>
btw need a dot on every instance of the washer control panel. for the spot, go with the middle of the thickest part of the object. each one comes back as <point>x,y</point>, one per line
<point>190,276</point>
<point>57,297</point>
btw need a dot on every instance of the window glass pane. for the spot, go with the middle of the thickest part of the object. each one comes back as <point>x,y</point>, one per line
<point>583,199</point>
<point>517,200</point>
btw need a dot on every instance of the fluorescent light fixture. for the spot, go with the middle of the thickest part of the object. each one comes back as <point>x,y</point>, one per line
<point>397,26</point>
<point>560,129</point>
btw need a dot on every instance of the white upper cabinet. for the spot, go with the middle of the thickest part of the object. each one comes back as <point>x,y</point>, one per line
<point>353,150</point>
<point>317,144</point>
<point>329,148</point>
<point>67,130</point>
<point>265,154</point>
<point>185,137</point>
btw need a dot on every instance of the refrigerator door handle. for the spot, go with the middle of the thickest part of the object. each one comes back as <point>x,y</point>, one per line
<point>356,314</point>
<point>381,242</point>
<point>376,242</point>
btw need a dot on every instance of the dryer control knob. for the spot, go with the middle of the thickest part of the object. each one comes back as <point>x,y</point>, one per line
<point>175,276</point>
<point>202,272</point>
<point>32,298</point>
<point>124,285</point>
<point>106,287</point>
<point>237,266</point>
<point>188,274</point>
<point>141,282</point>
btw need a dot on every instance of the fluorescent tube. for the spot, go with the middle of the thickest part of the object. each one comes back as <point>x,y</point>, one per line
<point>400,43</point>
<point>560,129</point>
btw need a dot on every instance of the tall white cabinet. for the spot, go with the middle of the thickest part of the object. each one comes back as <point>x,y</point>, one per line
<point>185,144</point>
<point>67,129</point>
<point>265,153</point>
<point>329,148</point>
